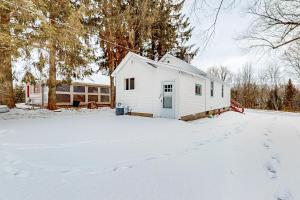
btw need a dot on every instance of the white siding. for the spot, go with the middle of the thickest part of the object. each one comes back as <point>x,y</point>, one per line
<point>217,101</point>
<point>146,97</point>
<point>190,103</point>
<point>161,75</point>
<point>139,99</point>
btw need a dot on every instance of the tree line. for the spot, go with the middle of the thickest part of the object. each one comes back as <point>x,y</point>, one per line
<point>267,88</point>
<point>71,36</point>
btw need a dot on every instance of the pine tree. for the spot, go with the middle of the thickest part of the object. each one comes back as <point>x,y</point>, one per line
<point>289,96</point>
<point>170,31</point>
<point>16,33</point>
<point>148,27</point>
<point>63,34</point>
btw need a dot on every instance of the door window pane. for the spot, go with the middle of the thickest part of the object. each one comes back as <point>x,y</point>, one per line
<point>168,88</point>
<point>167,102</point>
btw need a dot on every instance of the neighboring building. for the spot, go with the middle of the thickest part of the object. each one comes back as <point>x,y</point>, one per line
<point>169,88</point>
<point>86,90</point>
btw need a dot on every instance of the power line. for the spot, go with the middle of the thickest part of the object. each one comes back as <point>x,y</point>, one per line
<point>67,25</point>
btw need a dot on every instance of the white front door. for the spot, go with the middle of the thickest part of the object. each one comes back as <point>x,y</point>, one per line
<point>168,100</point>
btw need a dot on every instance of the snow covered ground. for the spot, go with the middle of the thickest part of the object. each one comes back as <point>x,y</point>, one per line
<point>92,155</point>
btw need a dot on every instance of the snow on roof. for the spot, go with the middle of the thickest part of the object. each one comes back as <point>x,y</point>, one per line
<point>171,62</point>
<point>180,64</point>
<point>176,64</point>
<point>96,78</point>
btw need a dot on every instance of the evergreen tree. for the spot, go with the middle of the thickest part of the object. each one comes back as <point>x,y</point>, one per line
<point>170,31</point>
<point>16,28</point>
<point>120,26</point>
<point>63,35</point>
<point>289,96</point>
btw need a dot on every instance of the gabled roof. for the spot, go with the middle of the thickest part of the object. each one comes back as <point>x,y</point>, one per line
<point>175,64</point>
<point>157,64</point>
<point>180,64</point>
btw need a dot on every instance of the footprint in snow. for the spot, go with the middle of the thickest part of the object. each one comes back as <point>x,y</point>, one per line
<point>275,158</point>
<point>271,170</point>
<point>15,172</point>
<point>122,168</point>
<point>283,194</point>
<point>267,144</point>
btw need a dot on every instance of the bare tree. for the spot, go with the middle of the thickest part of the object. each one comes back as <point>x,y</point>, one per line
<point>274,75</point>
<point>222,73</point>
<point>277,23</point>
<point>210,11</point>
<point>292,57</point>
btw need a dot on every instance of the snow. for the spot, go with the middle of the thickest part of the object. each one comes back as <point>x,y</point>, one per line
<point>96,78</point>
<point>3,109</point>
<point>93,154</point>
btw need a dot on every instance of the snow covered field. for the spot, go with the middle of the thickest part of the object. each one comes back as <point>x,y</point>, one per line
<point>95,155</point>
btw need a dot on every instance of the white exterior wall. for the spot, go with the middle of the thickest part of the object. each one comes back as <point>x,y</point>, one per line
<point>217,101</point>
<point>165,75</point>
<point>35,98</point>
<point>190,103</point>
<point>146,96</point>
<point>139,99</point>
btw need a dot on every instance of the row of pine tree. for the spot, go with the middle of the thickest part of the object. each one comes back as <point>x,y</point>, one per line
<point>71,35</point>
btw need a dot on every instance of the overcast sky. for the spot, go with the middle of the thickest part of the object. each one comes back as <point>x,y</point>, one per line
<point>224,48</point>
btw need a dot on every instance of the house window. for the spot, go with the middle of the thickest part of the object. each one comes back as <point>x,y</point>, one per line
<point>92,89</point>
<point>129,84</point>
<point>63,88</point>
<point>222,91</point>
<point>211,88</point>
<point>79,89</point>
<point>198,89</point>
<point>104,90</point>
<point>104,98</point>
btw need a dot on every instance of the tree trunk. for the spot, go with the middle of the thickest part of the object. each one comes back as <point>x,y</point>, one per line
<point>111,66</point>
<point>52,73</point>
<point>52,81</point>
<point>6,76</point>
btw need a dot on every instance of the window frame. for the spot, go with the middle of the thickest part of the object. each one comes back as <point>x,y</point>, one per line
<point>212,88</point>
<point>222,92</point>
<point>200,89</point>
<point>129,84</point>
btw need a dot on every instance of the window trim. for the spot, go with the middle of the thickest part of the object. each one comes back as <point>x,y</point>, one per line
<point>200,86</point>
<point>222,92</point>
<point>129,84</point>
<point>212,88</point>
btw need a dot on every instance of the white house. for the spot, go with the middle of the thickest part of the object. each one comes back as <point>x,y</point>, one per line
<point>169,88</point>
<point>94,88</point>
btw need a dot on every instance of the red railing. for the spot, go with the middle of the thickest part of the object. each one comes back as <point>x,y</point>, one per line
<point>236,106</point>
